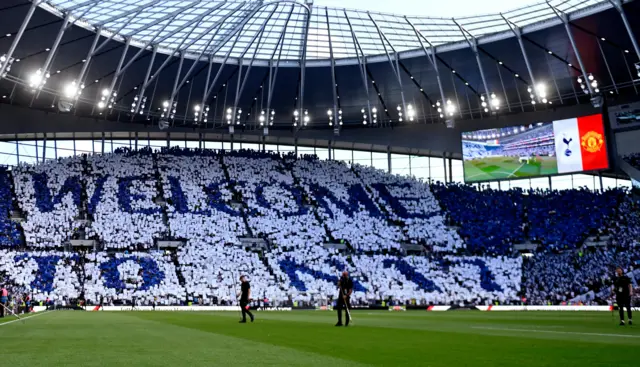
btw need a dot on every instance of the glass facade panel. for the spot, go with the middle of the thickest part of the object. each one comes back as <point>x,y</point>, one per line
<point>213,145</point>
<point>380,161</point>
<point>251,146</point>
<point>400,164</point>
<point>609,183</point>
<point>457,171</point>
<point>437,169</point>
<point>584,181</point>
<point>8,155</point>
<point>322,153</point>
<point>420,167</point>
<point>562,182</point>
<point>271,148</point>
<point>85,146</point>
<point>540,183</point>
<point>342,155</point>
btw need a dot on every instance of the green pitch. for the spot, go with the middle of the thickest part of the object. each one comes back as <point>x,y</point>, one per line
<point>499,168</point>
<point>412,338</point>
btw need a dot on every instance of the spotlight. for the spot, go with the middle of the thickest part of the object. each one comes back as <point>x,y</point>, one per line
<point>196,108</point>
<point>592,82</point>
<point>450,108</point>
<point>71,90</point>
<point>36,79</point>
<point>100,105</point>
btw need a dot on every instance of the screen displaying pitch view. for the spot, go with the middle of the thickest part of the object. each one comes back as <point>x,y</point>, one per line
<point>541,149</point>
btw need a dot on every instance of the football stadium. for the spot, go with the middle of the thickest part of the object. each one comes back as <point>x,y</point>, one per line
<point>291,182</point>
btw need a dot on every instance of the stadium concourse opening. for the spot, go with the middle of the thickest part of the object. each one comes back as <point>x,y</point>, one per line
<point>171,167</point>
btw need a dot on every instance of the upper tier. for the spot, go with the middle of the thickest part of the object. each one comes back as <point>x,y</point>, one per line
<point>217,197</point>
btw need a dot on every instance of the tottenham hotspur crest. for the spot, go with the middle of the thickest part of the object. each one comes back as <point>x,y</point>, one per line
<point>567,142</point>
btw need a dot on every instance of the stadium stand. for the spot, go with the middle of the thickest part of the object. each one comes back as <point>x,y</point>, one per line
<point>633,159</point>
<point>556,278</point>
<point>211,201</point>
<point>49,194</point>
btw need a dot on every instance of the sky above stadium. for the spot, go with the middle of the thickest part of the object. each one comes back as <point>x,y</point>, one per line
<point>434,8</point>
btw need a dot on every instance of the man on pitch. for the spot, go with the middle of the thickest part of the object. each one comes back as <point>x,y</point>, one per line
<point>345,287</point>
<point>245,297</point>
<point>623,289</point>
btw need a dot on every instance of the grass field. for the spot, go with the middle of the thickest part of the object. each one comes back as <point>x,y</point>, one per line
<point>463,338</point>
<point>498,168</point>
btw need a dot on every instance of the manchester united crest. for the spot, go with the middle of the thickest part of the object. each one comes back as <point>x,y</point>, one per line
<point>592,141</point>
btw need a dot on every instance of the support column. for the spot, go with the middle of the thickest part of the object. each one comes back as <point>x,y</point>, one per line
<point>17,150</point>
<point>618,5</point>
<point>600,180</point>
<point>388,159</point>
<point>444,167</point>
<point>567,26</point>
<point>18,37</point>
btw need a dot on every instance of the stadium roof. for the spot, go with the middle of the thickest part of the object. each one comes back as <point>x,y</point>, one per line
<point>156,53</point>
<point>264,30</point>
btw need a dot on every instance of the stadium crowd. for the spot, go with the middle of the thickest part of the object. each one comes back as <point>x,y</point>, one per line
<point>211,201</point>
<point>559,277</point>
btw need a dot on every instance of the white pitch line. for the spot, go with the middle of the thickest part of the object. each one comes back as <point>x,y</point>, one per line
<point>555,332</point>
<point>516,170</point>
<point>23,318</point>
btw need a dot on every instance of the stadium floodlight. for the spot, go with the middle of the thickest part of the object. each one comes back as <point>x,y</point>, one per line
<point>38,79</point>
<point>71,90</point>
<point>538,93</point>
<point>637,66</point>
<point>411,113</point>
<point>492,103</point>
<point>8,61</point>
<point>450,108</point>
<point>238,115</point>
<point>593,82</point>
<point>101,105</point>
<point>196,108</point>
<point>495,101</point>
<point>169,110</point>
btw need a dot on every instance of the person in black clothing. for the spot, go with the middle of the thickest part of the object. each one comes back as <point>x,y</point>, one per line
<point>245,297</point>
<point>623,289</point>
<point>345,287</point>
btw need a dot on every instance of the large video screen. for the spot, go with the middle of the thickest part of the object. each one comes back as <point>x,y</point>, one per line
<point>541,149</point>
